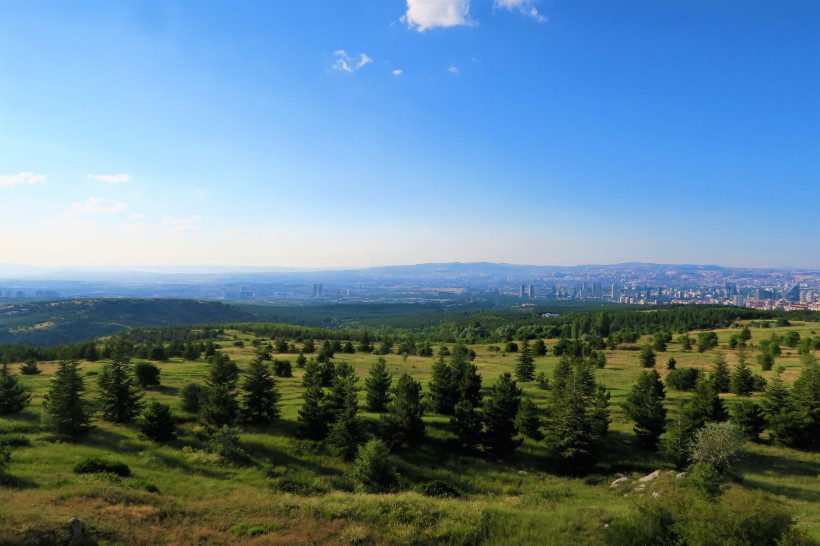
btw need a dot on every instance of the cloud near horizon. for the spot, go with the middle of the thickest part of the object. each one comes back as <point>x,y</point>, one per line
<point>182,225</point>
<point>21,178</point>
<point>110,178</point>
<point>95,205</point>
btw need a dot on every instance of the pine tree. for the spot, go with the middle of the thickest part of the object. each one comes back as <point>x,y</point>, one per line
<point>222,371</point>
<point>13,397</point>
<point>525,366</point>
<point>720,373</point>
<point>444,391</point>
<point>158,422</point>
<point>644,405</point>
<point>528,421</point>
<point>260,402</point>
<point>342,386</point>
<point>403,423</point>
<point>671,363</point>
<point>120,397</point>
<point>377,386</point>
<point>313,414</point>
<point>647,357</point>
<point>220,409</point>
<point>805,396</point>
<point>749,418</point>
<point>466,377</point>
<point>468,426</point>
<point>64,410</point>
<point>30,368</point>
<point>742,381</point>
<point>500,410</point>
<point>346,432</point>
<point>704,407</point>
<point>539,348</point>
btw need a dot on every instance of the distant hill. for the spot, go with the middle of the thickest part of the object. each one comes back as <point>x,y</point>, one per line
<point>58,322</point>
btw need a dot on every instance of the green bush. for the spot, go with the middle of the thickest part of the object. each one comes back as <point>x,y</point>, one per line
<point>373,470</point>
<point>97,465</point>
<point>147,374</point>
<point>683,379</point>
<point>438,488</point>
<point>192,394</point>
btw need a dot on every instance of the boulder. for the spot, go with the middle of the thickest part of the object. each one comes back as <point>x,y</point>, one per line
<point>656,494</point>
<point>619,481</point>
<point>680,475</point>
<point>650,477</point>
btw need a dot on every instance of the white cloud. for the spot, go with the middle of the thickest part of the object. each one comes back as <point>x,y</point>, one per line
<point>135,226</point>
<point>182,225</point>
<point>425,14</point>
<point>110,178</point>
<point>346,63</point>
<point>234,232</point>
<point>524,7</point>
<point>21,178</point>
<point>95,205</point>
<point>397,72</point>
<point>452,69</point>
<point>138,216</point>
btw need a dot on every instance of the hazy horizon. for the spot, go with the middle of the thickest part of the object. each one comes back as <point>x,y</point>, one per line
<point>357,134</point>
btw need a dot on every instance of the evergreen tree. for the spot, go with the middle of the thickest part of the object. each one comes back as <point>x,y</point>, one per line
<point>647,357</point>
<point>120,397</point>
<point>749,418</point>
<point>742,381</point>
<point>220,409</point>
<point>444,391</point>
<point>377,386</point>
<point>313,414</point>
<point>671,363</point>
<point>13,397</point>
<point>403,423</point>
<point>466,377</point>
<point>721,378</point>
<point>539,348</point>
<point>260,402</point>
<point>146,374</point>
<point>342,386</point>
<point>500,410</point>
<point>779,411</point>
<point>64,410</point>
<point>308,347</point>
<point>525,365</point>
<point>301,361</point>
<point>192,397</point>
<point>158,422</point>
<point>467,426</point>
<point>528,421</point>
<point>365,343</point>
<point>346,432</point>
<point>805,397</point>
<point>644,405</point>
<point>704,407</point>
<point>30,368</point>
<point>222,371</point>
<point>685,342</point>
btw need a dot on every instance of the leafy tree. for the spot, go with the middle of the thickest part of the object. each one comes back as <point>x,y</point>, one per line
<point>64,410</point>
<point>718,446</point>
<point>525,366</point>
<point>500,410</point>
<point>301,361</point>
<point>224,442</point>
<point>374,470</point>
<point>720,373</point>
<point>158,422</point>
<point>539,348</point>
<point>222,371</point>
<point>403,423</point>
<point>659,341</point>
<point>683,379</point>
<point>13,397</point>
<point>120,396</point>
<point>192,351</point>
<point>314,414</point>
<point>644,405</point>
<point>377,386</point>
<point>308,346</point>
<point>742,382</point>
<point>766,361</point>
<point>749,418</point>
<point>511,347</point>
<point>147,374</point>
<point>528,421</point>
<point>685,342</point>
<point>444,391</point>
<point>30,368</point>
<point>467,426</point>
<point>260,401</point>
<point>647,357</point>
<point>348,348</point>
<point>192,395</point>
<point>282,368</point>
<point>220,409</point>
<point>706,341</point>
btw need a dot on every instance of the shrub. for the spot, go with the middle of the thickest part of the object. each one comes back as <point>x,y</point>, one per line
<point>225,443</point>
<point>683,379</point>
<point>373,470</point>
<point>30,368</point>
<point>282,368</point>
<point>438,488</point>
<point>97,465</point>
<point>158,422</point>
<point>147,374</point>
<point>192,394</point>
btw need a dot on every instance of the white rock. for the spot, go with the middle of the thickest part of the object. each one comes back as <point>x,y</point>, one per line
<point>619,481</point>
<point>650,477</point>
<point>680,475</point>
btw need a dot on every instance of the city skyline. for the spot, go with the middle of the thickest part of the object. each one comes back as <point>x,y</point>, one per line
<point>364,134</point>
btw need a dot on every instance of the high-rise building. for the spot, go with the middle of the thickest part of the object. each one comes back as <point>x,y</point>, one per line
<point>320,290</point>
<point>521,291</point>
<point>531,291</point>
<point>315,289</point>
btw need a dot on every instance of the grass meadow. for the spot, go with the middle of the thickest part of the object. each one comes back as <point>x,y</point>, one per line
<point>296,493</point>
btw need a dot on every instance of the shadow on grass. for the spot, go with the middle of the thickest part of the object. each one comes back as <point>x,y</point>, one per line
<point>13,482</point>
<point>24,423</point>
<point>784,490</point>
<point>163,389</point>
<point>782,466</point>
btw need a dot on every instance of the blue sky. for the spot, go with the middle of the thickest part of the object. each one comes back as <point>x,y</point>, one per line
<point>338,134</point>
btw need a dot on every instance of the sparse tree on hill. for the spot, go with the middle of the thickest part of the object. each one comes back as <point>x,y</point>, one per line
<point>468,426</point>
<point>749,417</point>
<point>192,397</point>
<point>64,410</point>
<point>220,409</point>
<point>313,414</point>
<point>704,407</point>
<point>346,431</point>
<point>30,368</point>
<point>721,378</point>
<point>222,371</point>
<point>147,374</point>
<point>377,386</point>
<point>528,421</point>
<point>403,423</point>
<point>120,397</point>
<point>500,410</point>
<point>647,357</point>
<point>539,348</point>
<point>158,422</point>
<point>444,392</point>
<point>260,401</point>
<point>525,366</point>
<point>644,405</point>
<point>742,381</point>
<point>13,397</point>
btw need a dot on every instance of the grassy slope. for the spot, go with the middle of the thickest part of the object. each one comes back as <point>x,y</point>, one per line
<point>513,501</point>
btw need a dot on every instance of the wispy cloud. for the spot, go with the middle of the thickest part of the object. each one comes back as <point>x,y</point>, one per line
<point>426,14</point>
<point>110,178</point>
<point>397,72</point>
<point>235,232</point>
<point>524,7</point>
<point>452,69</point>
<point>138,216</point>
<point>346,63</point>
<point>95,205</point>
<point>21,178</point>
<point>182,225</point>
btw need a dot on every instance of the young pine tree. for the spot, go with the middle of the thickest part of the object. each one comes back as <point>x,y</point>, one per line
<point>260,401</point>
<point>525,365</point>
<point>742,381</point>
<point>468,427</point>
<point>64,410</point>
<point>644,405</point>
<point>313,414</point>
<point>377,386</point>
<point>13,397</point>
<point>443,388</point>
<point>806,398</point>
<point>159,423</point>
<point>466,378</point>
<point>403,423</point>
<point>120,396</point>
<point>704,407</point>
<point>528,421</point>
<point>749,418</point>
<point>222,371</point>
<point>220,409</point>
<point>720,373</point>
<point>647,357</point>
<point>500,410</point>
<point>346,431</point>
